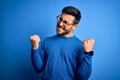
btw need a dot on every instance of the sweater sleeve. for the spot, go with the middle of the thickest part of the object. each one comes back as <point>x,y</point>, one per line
<point>37,57</point>
<point>84,66</point>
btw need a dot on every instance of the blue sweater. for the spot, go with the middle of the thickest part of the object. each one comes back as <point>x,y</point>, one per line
<point>61,58</point>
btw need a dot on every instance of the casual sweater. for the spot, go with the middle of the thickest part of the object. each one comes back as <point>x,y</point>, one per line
<point>61,58</point>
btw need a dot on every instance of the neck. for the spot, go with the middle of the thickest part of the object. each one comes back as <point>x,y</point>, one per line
<point>68,35</point>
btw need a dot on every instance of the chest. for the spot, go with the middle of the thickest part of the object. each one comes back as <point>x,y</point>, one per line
<point>64,49</point>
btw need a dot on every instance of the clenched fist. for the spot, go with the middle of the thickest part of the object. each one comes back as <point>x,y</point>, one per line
<point>88,45</point>
<point>35,39</point>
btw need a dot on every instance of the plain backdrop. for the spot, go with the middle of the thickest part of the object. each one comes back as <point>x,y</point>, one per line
<point>19,19</point>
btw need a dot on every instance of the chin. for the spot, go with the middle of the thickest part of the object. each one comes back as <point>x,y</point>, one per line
<point>59,33</point>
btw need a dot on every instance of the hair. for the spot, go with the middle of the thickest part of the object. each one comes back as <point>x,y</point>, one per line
<point>74,12</point>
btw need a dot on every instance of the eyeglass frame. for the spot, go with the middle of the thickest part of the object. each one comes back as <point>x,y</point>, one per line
<point>64,21</point>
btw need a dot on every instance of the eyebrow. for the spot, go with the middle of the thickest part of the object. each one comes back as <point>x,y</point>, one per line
<point>65,20</point>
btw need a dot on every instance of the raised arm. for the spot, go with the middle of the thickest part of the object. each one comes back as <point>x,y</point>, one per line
<point>37,54</point>
<point>84,61</point>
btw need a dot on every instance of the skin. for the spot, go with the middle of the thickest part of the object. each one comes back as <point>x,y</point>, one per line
<point>64,30</point>
<point>67,31</point>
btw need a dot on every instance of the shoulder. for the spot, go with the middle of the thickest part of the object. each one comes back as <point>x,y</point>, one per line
<point>50,38</point>
<point>49,42</point>
<point>77,40</point>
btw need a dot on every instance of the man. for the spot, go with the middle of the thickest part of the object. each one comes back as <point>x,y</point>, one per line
<point>63,56</point>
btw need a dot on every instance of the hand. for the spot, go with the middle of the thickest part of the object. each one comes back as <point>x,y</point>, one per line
<point>88,45</point>
<point>35,39</point>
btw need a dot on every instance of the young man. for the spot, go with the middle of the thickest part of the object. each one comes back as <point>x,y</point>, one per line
<point>63,56</point>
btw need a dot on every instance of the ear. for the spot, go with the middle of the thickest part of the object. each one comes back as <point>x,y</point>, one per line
<point>75,26</point>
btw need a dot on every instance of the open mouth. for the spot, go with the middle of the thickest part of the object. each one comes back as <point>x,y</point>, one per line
<point>60,28</point>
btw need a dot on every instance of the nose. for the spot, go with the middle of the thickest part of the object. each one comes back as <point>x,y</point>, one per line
<point>60,23</point>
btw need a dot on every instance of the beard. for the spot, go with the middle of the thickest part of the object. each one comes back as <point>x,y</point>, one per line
<point>62,30</point>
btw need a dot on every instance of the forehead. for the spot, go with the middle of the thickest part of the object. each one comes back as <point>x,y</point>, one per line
<point>68,17</point>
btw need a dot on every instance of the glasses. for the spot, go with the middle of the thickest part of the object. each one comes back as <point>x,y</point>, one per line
<point>59,19</point>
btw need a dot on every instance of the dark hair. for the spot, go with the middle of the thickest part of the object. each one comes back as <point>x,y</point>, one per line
<point>74,12</point>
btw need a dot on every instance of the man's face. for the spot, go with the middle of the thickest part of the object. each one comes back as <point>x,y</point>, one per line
<point>65,24</point>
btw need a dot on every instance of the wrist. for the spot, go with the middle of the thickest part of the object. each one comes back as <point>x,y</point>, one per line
<point>90,53</point>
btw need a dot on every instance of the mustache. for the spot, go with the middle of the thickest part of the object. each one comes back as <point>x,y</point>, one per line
<point>58,26</point>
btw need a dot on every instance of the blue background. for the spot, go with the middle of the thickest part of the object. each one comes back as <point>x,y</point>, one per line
<point>20,19</point>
